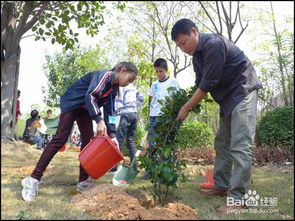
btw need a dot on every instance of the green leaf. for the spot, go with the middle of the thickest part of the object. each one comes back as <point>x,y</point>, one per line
<point>34,28</point>
<point>41,31</point>
<point>79,7</point>
<point>48,25</point>
<point>42,21</point>
<point>60,28</point>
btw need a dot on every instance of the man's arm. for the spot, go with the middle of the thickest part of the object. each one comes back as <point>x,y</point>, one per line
<point>195,99</point>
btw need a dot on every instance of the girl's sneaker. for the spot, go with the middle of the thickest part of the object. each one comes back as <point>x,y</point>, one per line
<point>30,188</point>
<point>85,185</point>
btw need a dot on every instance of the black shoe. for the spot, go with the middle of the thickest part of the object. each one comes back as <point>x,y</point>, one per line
<point>111,171</point>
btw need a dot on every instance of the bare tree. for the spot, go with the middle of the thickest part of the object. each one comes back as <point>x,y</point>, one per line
<point>280,58</point>
<point>159,18</point>
<point>167,13</point>
<point>220,14</point>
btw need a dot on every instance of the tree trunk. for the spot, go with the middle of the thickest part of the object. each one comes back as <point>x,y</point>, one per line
<point>280,59</point>
<point>9,84</point>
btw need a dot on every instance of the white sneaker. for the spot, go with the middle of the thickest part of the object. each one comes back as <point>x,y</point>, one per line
<point>84,185</point>
<point>30,188</point>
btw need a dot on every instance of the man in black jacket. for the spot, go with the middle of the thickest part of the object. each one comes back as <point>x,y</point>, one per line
<point>226,72</point>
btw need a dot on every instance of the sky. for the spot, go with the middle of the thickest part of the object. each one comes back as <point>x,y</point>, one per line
<point>32,76</point>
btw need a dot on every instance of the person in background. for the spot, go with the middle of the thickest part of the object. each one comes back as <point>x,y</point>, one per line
<point>17,112</point>
<point>82,102</point>
<point>46,122</point>
<point>226,72</point>
<point>48,114</point>
<point>30,133</point>
<point>128,102</point>
<point>158,91</point>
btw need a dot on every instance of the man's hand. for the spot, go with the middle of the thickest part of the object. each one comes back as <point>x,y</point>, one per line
<point>195,99</point>
<point>182,114</point>
<point>101,128</point>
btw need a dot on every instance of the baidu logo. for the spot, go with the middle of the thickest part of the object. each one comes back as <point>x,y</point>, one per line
<point>251,199</point>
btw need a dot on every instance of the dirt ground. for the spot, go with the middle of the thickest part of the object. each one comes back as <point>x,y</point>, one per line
<point>110,202</point>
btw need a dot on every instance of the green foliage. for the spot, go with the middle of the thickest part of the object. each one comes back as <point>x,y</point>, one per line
<point>209,114</point>
<point>55,23</point>
<point>166,168</point>
<point>276,128</point>
<point>21,216</point>
<point>20,127</point>
<point>62,69</point>
<point>139,133</point>
<point>195,135</point>
<point>276,60</point>
<point>143,81</point>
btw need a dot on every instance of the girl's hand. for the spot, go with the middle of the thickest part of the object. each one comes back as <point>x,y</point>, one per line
<point>101,128</point>
<point>115,142</point>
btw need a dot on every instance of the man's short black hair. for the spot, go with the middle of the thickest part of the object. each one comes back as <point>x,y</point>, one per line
<point>161,62</point>
<point>182,26</point>
<point>34,113</point>
<point>49,111</point>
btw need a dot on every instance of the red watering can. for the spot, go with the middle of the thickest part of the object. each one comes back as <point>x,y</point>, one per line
<point>99,156</point>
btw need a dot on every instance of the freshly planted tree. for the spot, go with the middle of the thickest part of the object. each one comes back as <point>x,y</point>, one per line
<point>165,168</point>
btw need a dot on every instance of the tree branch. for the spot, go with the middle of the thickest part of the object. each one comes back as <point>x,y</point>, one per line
<point>228,24</point>
<point>209,17</point>
<point>36,17</point>
<point>28,8</point>
<point>197,18</point>
<point>219,16</point>
<point>27,36</point>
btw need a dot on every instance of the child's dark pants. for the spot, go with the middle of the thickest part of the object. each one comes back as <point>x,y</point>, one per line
<point>65,125</point>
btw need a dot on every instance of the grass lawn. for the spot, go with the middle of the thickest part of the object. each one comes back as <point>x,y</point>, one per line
<point>60,179</point>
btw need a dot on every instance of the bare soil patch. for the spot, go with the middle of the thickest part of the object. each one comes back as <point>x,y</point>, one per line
<point>110,202</point>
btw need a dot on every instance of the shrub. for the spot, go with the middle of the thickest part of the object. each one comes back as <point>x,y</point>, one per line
<point>195,135</point>
<point>198,156</point>
<point>262,156</point>
<point>276,128</point>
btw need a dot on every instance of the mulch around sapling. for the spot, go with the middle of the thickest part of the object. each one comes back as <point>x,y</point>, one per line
<point>111,202</point>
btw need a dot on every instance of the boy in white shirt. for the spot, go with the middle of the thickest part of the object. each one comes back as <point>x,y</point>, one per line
<point>158,91</point>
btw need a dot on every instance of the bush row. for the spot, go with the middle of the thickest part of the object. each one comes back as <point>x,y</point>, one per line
<point>276,128</point>
<point>261,156</point>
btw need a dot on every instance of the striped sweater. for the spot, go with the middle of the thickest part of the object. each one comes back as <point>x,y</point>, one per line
<point>91,92</point>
